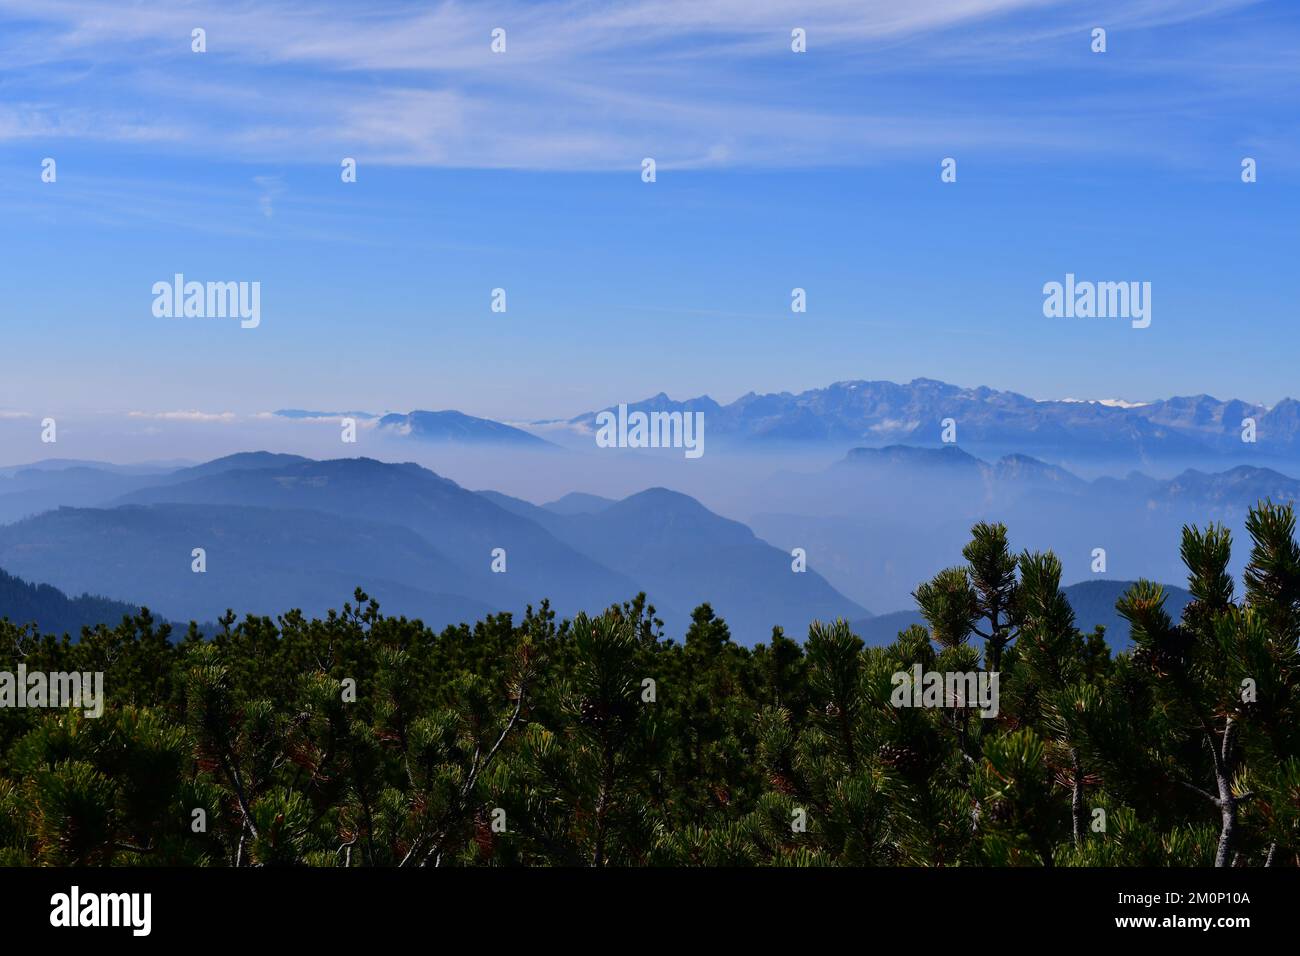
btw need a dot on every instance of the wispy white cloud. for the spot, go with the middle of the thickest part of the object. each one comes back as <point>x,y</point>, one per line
<point>696,83</point>
<point>53,122</point>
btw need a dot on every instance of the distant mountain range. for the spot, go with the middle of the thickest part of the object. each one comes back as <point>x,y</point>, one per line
<point>281,531</point>
<point>883,519</point>
<point>1019,474</point>
<point>880,413</point>
<point>673,546</point>
<point>875,516</point>
<point>1190,429</point>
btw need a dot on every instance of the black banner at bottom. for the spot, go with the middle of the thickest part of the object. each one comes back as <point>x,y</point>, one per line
<point>543,904</point>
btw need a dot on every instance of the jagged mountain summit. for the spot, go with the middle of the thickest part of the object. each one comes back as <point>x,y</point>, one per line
<point>878,413</point>
<point>1185,429</point>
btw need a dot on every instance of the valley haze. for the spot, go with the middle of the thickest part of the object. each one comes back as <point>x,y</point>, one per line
<point>855,476</point>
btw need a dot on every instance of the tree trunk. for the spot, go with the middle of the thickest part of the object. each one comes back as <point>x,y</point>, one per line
<point>603,800</point>
<point>1076,807</point>
<point>1227,832</point>
<point>1227,802</point>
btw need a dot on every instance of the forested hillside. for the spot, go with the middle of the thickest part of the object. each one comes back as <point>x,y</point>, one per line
<point>54,611</point>
<point>366,740</point>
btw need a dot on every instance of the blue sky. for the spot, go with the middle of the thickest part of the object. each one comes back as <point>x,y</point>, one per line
<point>522,170</point>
